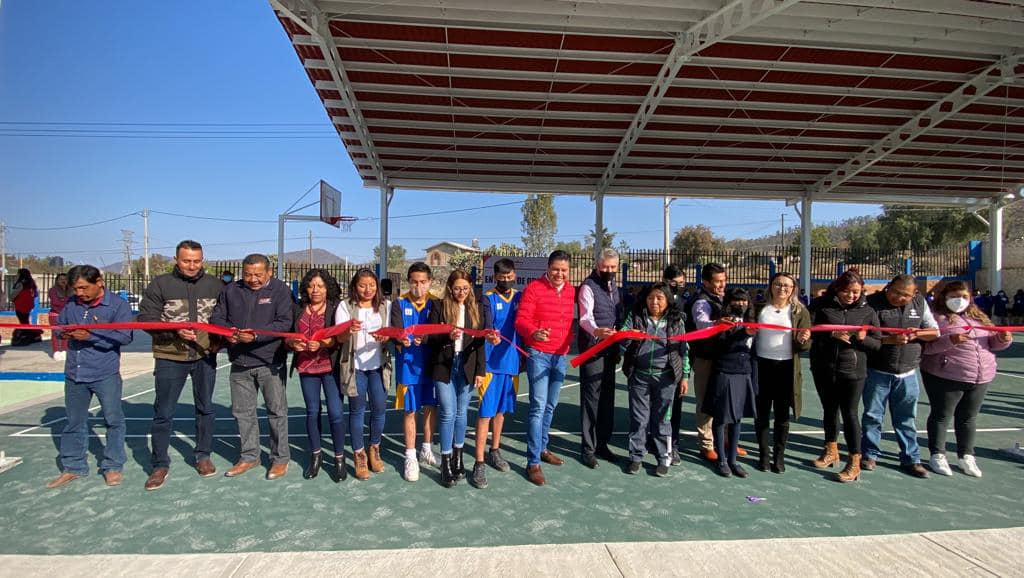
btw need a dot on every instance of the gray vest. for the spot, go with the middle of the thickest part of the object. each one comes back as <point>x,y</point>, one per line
<point>607,313</point>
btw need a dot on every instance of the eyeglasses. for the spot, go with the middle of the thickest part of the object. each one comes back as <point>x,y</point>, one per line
<point>783,286</point>
<point>461,289</point>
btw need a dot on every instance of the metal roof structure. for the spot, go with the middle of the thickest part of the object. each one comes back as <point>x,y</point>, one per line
<point>862,100</point>
<point>873,101</point>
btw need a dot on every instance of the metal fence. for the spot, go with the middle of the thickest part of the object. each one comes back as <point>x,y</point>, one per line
<point>639,266</point>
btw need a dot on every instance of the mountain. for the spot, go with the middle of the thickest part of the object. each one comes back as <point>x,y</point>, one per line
<point>320,257</point>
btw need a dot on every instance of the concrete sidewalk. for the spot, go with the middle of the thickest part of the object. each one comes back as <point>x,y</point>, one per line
<point>978,552</point>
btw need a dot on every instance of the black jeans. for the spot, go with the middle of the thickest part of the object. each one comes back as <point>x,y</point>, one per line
<point>170,380</point>
<point>963,401</point>
<point>840,393</point>
<point>597,403</point>
<point>774,392</point>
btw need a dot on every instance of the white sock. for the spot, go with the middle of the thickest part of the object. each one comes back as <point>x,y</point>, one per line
<point>425,447</point>
<point>459,446</point>
<point>411,454</point>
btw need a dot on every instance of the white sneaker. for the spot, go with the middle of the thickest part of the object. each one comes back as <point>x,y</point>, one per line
<point>940,465</point>
<point>59,355</point>
<point>428,458</point>
<point>412,470</point>
<point>969,466</point>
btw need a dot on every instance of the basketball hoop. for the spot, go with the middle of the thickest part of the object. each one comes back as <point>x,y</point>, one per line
<point>343,222</point>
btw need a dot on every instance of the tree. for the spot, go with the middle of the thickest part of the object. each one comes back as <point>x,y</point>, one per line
<point>539,224</point>
<point>607,239</point>
<point>571,247</point>
<point>904,227</point>
<point>465,260</point>
<point>396,255</point>
<point>696,239</point>
<point>504,249</point>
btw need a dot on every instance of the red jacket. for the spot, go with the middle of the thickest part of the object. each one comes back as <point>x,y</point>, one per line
<point>542,307</point>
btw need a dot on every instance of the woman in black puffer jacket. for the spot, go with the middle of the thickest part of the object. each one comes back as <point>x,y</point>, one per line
<point>839,366</point>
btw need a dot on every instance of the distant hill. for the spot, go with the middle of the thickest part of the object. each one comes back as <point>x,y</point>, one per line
<point>320,257</point>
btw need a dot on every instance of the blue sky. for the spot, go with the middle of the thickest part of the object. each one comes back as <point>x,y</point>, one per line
<point>204,70</point>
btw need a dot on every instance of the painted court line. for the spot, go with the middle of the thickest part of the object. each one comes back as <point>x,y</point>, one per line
<point>1010,375</point>
<point>94,408</point>
<point>556,433</point>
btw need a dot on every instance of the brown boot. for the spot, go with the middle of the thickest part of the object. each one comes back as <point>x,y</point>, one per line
<point>376,464</point>
<point>852,470</point>
<point>362,471</point>
<point>829,456</point>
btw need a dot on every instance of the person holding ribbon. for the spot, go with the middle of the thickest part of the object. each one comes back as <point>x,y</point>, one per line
<point>839,366</point>
<point>956,370</point>
<point>545,324</point>
<point>459,367</point>
<point>185,294</point>
<point>92,367</point>
<point>732,381</point>
<point>415,387</point>
<point>601,311</point>
<point>264,303</point>
<point>779,379</point>
<point>675,279</point>
<point>658,371</point>
<point>59,295</point>
<point>364,367</point>
<point>499,307</point>
<point>315,360</point>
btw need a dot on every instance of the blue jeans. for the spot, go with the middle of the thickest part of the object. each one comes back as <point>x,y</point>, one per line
<point>74,440</point>
<point>369,385</point>
<point>546,373</point>
<point>452,407</point>
<point>169,379</point>
<point>901,394</point>
<point>311,386</point>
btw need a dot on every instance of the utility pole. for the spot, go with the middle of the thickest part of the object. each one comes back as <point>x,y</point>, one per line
<point>126,239</point>
<point>782,231</point>
<point>667,245</point>
<point>3,264</point>
<point>311,248</point>
<point>145,241</point>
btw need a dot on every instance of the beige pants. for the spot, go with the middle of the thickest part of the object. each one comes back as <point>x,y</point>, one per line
<point>701,370</point>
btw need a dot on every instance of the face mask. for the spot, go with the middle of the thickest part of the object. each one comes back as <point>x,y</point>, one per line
<point>228,278</point>
<point>957,304</point>
<point>606,277</point>
<point>733,310</point>
<point>503,286</point>
<point>675,289</point>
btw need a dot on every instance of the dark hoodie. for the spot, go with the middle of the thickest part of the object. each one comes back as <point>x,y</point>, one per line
<point>829,354</point>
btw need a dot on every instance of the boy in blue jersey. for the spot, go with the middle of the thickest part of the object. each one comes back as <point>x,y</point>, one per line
<point>413,375</point>
<point>498,394</point>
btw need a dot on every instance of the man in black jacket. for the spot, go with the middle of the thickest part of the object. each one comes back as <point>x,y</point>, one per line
<point>892,372</point>
<point>184,294</point>
<point>259,302</point>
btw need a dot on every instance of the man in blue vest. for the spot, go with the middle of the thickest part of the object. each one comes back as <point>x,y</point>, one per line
<point>892,373</point>
<point>600,309</point>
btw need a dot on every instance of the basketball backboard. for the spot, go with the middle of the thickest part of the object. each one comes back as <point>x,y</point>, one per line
<point>330,204</point>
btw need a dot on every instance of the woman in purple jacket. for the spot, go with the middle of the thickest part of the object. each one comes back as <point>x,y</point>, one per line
<point>956,370</point>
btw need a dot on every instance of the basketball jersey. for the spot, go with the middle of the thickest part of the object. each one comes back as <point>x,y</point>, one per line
<point>412,363</point>
<point>503,357</point>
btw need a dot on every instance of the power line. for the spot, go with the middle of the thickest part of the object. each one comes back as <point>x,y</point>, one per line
<point>225,219</point>
<point>126,215</point>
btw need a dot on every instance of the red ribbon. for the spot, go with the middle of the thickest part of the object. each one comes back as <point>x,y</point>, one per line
<point>318,335</point>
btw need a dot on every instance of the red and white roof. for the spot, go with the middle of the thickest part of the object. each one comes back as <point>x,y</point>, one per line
<point>862,100</point>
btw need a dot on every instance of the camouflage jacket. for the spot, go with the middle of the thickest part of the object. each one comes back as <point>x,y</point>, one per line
<point>173,297</point>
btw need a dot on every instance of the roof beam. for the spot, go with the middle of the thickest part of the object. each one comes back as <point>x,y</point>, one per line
<point>733,18</point>
<point>316,21</point>
<point>991,77</point>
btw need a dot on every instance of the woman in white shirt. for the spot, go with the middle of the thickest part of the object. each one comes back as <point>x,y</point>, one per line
<point>778,366</point>
<point>459,366</point>
<point>364,367</point>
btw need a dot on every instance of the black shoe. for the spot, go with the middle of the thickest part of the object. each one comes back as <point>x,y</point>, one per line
<point>764,461</point>
<point>778,461</point>
<point>633,468</point>
<point>606,454</point>
<point>340,470</point>
<point>458,469</point>
<point>316,459</point>
<point>589,460</point>
<point>447,476</point>
<point>723,470</point>
<point>676,459</point>
<point>738,471</point>
<point>662,470</point>
<point>497,462</point>
<point>479,478</point>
